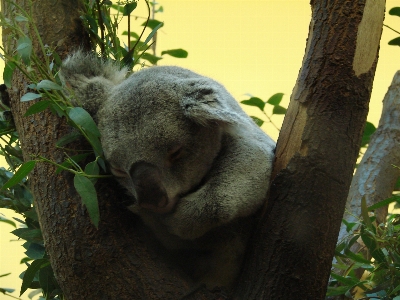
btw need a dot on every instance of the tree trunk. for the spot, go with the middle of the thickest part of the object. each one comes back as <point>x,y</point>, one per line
<point>316,153</point>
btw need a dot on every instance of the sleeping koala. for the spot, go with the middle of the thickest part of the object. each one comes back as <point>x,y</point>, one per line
<point>197,167</point>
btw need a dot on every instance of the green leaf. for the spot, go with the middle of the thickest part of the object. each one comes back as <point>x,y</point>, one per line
<point>82,118</point>
<point>30,273</point>
<point>37,107</point>
<point>5,220</point>
<point>385,202</point>
<point>22,172</point>
<point>92,168</point>
<point>152,33</point>
<point>47,280</point>
<point>179,53</point>
<point>30,96</point>
<point>151,58</point>
<point>28,234</point>
<point>128,8</point>
<point>68,138</point>
<point>369,129</point>
<point>258,121</point>
<point>254,101</point>
<point>364,213</point>
<point>356,257</point>
<point>24,48</point>
<point>275,99</point>
<point>67,163</point>
<point>35,251</point>
<point>279,110</point>
<point>95,143</point>
<point>153,23</point>
<point>133,34</point>
<point>86,190</point>
<point>20,18</point>
<point>337,290</point>
<point>373,247</point>
<point>395,11</point>
<point>350,281</point>
<point>395,42</point>
<point>48,85</point>
<point>8,72</point>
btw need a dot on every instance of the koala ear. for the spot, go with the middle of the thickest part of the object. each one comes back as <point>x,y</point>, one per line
<point>88,79</point>
<point>206,101</point>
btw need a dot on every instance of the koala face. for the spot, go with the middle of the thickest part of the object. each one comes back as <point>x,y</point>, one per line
<point>156,152</point>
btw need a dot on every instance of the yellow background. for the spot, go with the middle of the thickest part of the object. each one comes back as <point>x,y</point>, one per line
<point>251,47</point>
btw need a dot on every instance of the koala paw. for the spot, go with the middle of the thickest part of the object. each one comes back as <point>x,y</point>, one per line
<point>189,221</point>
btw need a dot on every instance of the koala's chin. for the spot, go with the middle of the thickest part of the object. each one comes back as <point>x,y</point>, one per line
<point>197,165</point>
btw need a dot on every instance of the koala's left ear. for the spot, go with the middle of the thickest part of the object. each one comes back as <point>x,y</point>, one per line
<point>206,102</point>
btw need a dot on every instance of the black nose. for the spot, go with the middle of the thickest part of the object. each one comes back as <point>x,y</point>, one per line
<point>147,181</point>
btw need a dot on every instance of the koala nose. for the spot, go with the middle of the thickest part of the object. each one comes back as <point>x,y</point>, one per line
<point>150,190</point>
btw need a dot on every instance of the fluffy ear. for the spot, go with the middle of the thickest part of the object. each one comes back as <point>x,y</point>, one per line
<point>88,79</point>
<point>206,102</point>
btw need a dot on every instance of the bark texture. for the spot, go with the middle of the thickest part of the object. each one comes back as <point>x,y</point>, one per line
<point>316,154</point>
<point>376,176</point>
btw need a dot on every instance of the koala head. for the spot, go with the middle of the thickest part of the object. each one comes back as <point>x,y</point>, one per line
<point>161,130</point>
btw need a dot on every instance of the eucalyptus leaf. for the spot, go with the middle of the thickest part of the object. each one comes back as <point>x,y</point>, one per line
<point>30,96</point>
<point>8,73</point>
<point>258,121</point>
<point>152,33</point>
<point>82,118</point>
<point>395,42</point>
<point>153,23</point>
<point>86,190</point>
<point>37,107</point>
<point>24,49</point>
<point>20,18</point>
<point>179,53</point>
<point>5,220</point>
<point>275,99</point>
<point>254,101</point>
<point>48,85</point>
<point>22,172</point>
<point>128,8</point>
<point>30,273</point>
<point>395,11</point>
<point>279,110</point>
<point>68,138</point>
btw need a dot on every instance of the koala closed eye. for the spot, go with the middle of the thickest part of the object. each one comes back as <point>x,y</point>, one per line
<point>118,172</point>
<point>175,153</point>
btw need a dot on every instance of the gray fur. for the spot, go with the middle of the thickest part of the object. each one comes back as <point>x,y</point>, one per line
<point>198,166</point>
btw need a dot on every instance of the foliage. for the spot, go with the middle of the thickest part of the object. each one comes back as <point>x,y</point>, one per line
<point>395,11</point>
<point>274,100</point>
<point>46,88</point>
<point>378,260</point>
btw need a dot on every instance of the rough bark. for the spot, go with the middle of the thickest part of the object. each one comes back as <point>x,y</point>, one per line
<point>316,154</point>
<point>112,262</point>
<point>375,176</point>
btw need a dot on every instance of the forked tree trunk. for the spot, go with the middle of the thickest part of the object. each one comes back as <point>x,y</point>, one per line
<point>292,249</point>
<point>316,153</point>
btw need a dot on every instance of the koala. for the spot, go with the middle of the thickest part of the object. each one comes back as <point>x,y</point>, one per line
<point>195,166</point>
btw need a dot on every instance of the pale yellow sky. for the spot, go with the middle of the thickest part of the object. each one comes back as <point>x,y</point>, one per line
<point>253,46</point>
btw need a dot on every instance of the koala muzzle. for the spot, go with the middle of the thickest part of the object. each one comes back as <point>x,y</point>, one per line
<point>150,191</point>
